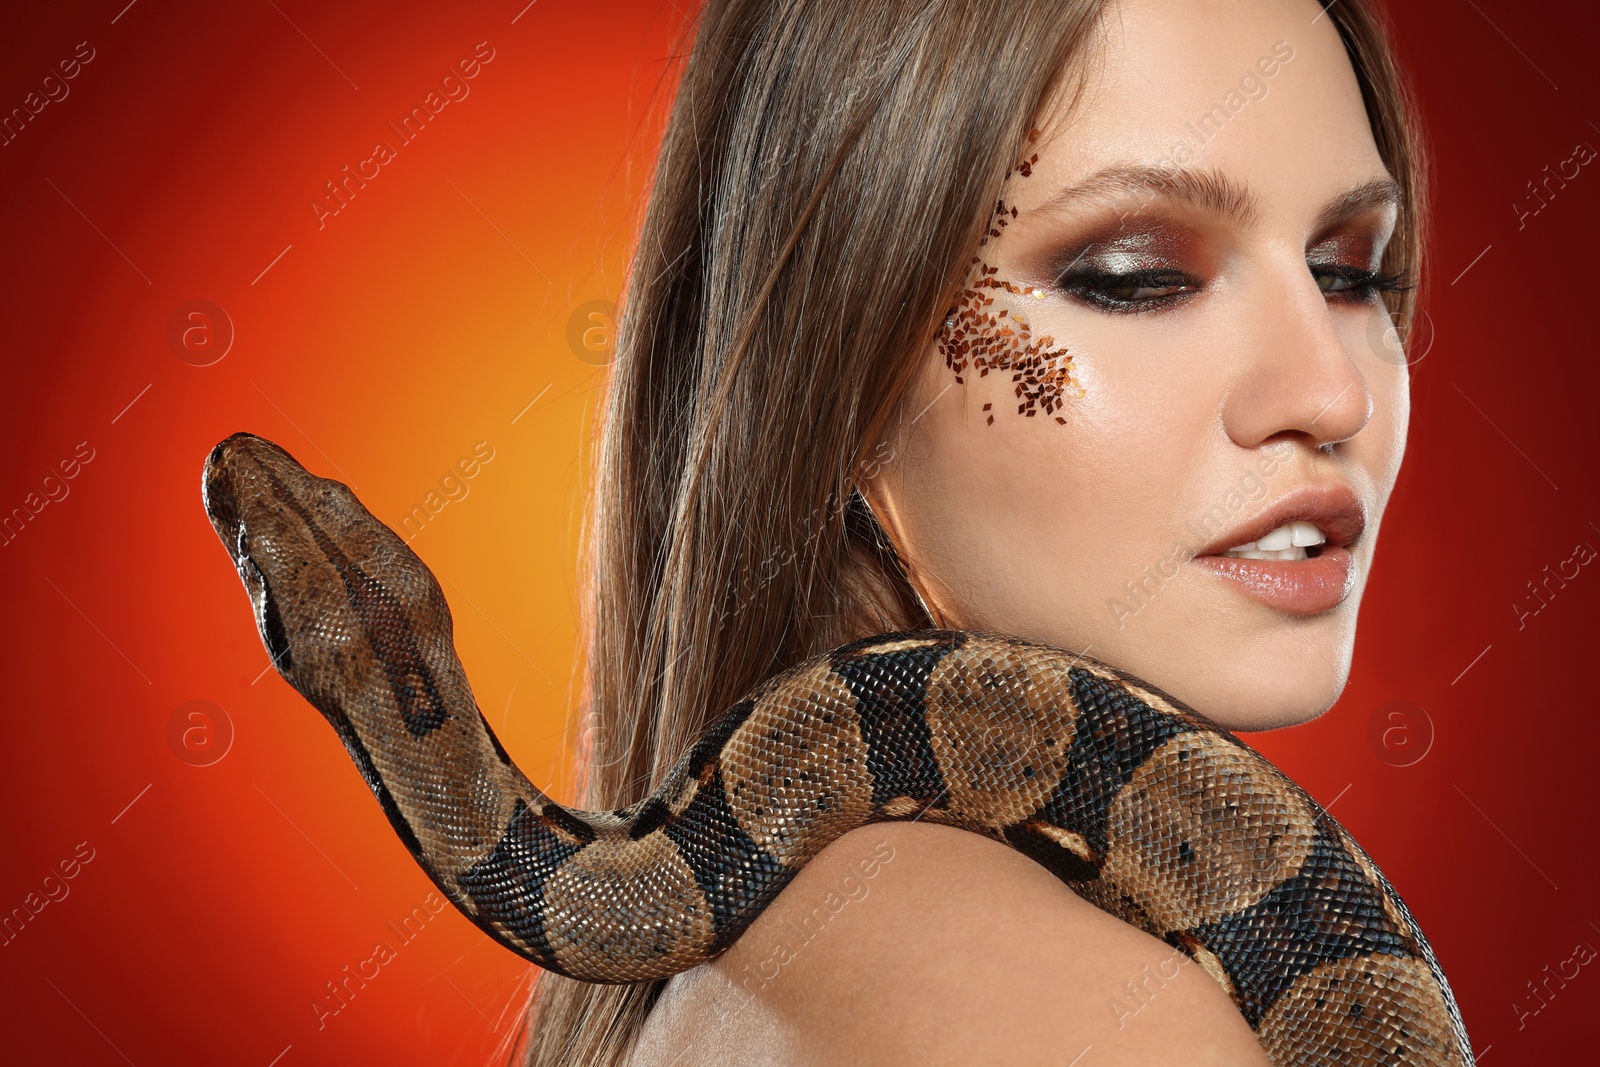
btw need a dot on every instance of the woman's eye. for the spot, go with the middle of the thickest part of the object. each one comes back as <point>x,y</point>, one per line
<point>1134,291</point>
<point>1355,283</point>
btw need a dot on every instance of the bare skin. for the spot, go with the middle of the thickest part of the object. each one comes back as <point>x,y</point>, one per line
<point>1255,346</point>
<point>956,951</point>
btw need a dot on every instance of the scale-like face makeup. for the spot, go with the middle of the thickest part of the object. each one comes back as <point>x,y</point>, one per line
<point>982,336</point>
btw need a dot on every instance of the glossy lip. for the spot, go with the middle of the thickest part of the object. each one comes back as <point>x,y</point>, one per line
<point>1297,587</point>
<point>1335,508</point>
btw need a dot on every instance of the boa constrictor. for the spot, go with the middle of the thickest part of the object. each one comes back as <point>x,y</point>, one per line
<point>1139,804</point>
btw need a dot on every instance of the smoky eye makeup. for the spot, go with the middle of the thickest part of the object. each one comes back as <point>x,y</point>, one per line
<point>1348,250</point>
<point>1348,268</point>
<point>1143,269</point>
<point>1125,258</point>
<point>1130,269</point>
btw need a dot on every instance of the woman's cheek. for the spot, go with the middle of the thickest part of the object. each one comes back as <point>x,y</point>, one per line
<point>1379,448</point>
<point>1398,397</point>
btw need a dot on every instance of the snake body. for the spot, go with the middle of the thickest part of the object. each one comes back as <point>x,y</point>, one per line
<point>1139,804</point>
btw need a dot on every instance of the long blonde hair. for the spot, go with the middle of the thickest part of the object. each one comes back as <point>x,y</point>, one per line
<point>827,169</point>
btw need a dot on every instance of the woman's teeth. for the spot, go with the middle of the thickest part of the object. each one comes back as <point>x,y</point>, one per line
<point>1287,542</point>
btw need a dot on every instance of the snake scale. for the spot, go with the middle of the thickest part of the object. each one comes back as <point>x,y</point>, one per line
<point>1139,804</point>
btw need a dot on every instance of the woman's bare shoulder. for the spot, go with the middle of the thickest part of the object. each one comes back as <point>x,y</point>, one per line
<point>912,943</point>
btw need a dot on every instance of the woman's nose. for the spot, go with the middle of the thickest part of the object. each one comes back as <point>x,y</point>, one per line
<point>1294,378</point>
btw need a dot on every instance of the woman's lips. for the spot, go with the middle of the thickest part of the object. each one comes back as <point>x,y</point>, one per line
<point>1298,587</point>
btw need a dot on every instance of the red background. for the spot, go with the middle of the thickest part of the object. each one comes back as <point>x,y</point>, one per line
<point>426,316</point>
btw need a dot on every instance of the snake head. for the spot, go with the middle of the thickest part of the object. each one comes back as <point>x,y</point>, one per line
<point>298,542</point>
<point>348,613</point>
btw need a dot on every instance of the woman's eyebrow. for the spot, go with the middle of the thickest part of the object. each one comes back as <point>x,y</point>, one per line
<point>1209,190</point>
<point>1379,192</point>
<point>1214,192</point>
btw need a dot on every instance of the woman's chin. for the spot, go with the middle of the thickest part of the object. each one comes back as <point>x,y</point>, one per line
<point>1266,694</point>
<point>1246,679</point>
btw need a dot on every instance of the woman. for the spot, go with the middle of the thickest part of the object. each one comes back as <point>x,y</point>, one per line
<point>1064,320</point>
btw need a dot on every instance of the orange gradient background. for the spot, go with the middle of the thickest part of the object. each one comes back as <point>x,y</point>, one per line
<point>432,313</point>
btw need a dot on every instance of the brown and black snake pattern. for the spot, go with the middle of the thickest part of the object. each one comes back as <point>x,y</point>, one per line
<point>1136,802</point>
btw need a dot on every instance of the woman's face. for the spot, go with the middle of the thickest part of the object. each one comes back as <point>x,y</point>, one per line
<point>1172,346</point>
